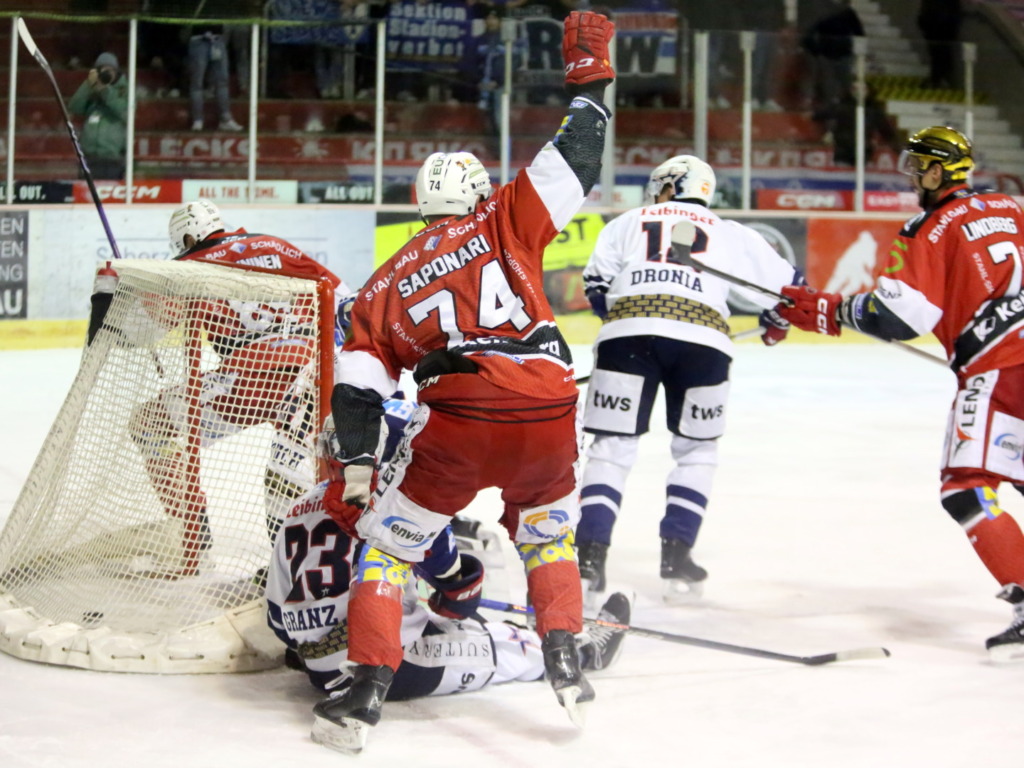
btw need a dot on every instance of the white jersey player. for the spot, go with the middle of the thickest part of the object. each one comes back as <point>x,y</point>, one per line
<point>665,324</point>
<point>447,646</point>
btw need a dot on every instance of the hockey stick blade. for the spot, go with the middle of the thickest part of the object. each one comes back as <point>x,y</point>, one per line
<point>32,48</point>
<point>682,240</point>
<point>713,645</point>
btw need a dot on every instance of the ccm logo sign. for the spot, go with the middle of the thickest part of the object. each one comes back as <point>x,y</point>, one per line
<point>804,199</point>
<point>155,192</point>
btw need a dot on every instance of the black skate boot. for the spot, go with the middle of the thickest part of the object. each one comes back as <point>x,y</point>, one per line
<point>343,720</point>
<point>602,644</point>
<point>684,578</point>
<point>1009,645</point>
<point>591,556</point>
<point>562,669</point>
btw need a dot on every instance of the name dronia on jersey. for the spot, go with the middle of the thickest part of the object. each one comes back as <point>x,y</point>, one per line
<point>442,265</point>
<point>990,225</point>
<point>683,277</point>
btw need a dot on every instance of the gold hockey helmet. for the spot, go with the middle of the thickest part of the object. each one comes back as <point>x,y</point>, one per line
<point>938,144</point>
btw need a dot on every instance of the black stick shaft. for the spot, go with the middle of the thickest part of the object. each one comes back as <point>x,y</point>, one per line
<point>670,637</point>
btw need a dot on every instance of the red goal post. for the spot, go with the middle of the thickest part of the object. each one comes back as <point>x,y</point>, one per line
<point>140,539</point>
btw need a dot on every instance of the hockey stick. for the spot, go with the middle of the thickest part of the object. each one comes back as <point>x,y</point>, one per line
<point>682,238</point>
<point>755,331</point>
<point>30,44</point>
<point>656,634</point>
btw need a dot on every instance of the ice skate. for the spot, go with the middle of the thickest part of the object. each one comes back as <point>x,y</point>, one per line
<point>601,644</point>
<point>684,579</point>
<point>343,720</point>
<point>591,556</point>
<point>562,669</point>
<point>1009,644</point>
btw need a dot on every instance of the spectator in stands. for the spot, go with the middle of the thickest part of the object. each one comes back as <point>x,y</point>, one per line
<point>207,51</point>
<point>939,22</point>
<point>490,60</point>
<point>722,20</point>
<point>768,19</point>
<point>839,120</point>
<point>829,40</point>
<point>103,101</point>
<point>160,51</point>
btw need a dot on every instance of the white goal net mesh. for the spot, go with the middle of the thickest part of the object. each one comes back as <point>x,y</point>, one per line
<point>139,540</point>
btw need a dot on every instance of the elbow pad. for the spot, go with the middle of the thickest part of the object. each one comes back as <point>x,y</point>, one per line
<point>868,315</point>
<point>580,138</point>
<point>358,414</point>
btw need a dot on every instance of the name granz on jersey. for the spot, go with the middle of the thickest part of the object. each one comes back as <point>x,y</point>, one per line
<point>309,618</point>
<point>974,230</point>
<point>681,277</point>
<point>442,265</point>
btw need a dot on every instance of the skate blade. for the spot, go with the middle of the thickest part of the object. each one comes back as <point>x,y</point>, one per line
<point>569,698</point>
<point>348,736</point>
<point>679,592</point>
<point>1007,653</point>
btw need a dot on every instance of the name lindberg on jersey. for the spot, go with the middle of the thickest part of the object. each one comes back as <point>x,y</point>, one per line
<point>443,265</point>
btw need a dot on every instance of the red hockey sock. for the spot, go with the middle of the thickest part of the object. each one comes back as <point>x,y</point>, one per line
<point>375,624</point>
<point>557,596</point>
<point>1000,545</point>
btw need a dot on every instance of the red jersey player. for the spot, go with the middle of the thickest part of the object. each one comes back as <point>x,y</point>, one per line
<point>462,306</point>
<point>262,349</point>
<point>955,270</point>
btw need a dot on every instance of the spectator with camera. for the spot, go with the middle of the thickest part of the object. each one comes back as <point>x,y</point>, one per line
<point>102,100</point>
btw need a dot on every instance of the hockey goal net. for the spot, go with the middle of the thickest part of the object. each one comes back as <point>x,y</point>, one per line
<point>140,539</point>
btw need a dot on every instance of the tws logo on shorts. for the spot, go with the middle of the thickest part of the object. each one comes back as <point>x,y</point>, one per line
<point>406,533</point>
<point>541,523</point>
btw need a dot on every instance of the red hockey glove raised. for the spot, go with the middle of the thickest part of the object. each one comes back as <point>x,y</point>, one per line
<point>812,310</point>
<point>585,48</point>
<point>775,327</point>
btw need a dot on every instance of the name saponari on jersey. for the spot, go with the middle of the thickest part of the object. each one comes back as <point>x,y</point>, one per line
<point>990,225</point>
<point>443,265</point>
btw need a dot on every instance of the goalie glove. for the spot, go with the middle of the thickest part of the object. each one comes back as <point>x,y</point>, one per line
<point>811,310</point>
<point>585,50</point>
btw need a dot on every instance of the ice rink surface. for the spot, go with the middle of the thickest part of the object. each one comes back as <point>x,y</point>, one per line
<point>824,533</point>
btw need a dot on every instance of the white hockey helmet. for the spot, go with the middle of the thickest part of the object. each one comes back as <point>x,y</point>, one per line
<point>200,219</point>
<point>451,184</point>
<point>691,179</point>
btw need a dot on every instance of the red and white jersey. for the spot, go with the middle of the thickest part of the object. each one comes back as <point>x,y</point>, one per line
<point>474,285</point>
<point>235,325</point>
<point>956,270</point>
